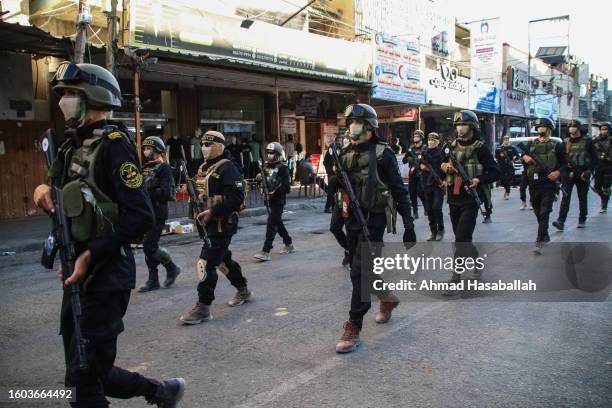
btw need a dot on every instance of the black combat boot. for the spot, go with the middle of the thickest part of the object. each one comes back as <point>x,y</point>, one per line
<point>172,271</point>
<point>152,283</point>
<point>347,258</point>
<point>169,393</point>
<point>560,225</point>
<point>433,235</point>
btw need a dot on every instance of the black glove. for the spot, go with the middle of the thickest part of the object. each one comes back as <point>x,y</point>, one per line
<point>409,238</point>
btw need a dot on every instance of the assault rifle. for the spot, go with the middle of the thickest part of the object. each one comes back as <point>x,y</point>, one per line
<point>604,154</point>
<point>194,198</point>
<point>541,167</point>
<point>431,170</point>
<point>61,240</point>
<point>353,201</point>
<point>264,184</point>
<point>466,178</point>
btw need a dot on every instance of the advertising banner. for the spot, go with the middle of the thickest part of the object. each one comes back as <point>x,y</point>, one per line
<point>429,22</point>
<point>184,27</point>
<point>486,51</point>
<point>544,105</point>
<point>484,97</point>
<point>397,70</point>
<point>445,87</point>
<point>514,104</point>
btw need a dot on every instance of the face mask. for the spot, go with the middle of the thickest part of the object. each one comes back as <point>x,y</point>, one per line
<point>463,132</point>
<point>432,144</point>
<point>506,142</point>
<point>71,108</point>
<point>573,131</point>
<point>175,137</point>
<point>206,152</point>
<point>148,153</point>
<point>416,141</point>
<point>356,131</point>
<point>270,157</point>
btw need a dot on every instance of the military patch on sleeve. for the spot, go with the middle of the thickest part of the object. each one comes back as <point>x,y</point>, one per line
<point>131,176</point>
<point>114,135</point>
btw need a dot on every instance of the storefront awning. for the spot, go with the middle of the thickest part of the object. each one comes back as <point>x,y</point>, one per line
<point>31,40</point>
<point>19,38</point>
<point>194,73</point>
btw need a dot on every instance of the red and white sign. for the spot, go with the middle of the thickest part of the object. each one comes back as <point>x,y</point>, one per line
<point>397,114</point>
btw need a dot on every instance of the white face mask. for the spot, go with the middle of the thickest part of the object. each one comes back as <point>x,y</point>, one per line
<point>356,130</point>
<point>462,131</point>
<point>71,108</point>
<point>432,144</point>
<point>148,153</point>
<point>270,156</point>
<point>416,141</point>
<point>206,152</point>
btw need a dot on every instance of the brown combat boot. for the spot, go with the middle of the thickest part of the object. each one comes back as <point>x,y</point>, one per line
<point>350,339</point>
<point>387,304</point>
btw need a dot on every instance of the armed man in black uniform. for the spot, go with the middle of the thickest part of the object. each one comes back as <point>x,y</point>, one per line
<point>159,183</point>
<point>603,171</point>
<point>543,187</point>
<point>434,187</point>
<point>581,160</point>
<point>221,189</point>
<point>505,155</point>
<point>415,186</point>
<point>373,172</point>
<point>108,208</point>
<point>480,166</point>
<point>276,177</point>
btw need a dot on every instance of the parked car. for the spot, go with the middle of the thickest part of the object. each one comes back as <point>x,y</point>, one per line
<point>518,164</point>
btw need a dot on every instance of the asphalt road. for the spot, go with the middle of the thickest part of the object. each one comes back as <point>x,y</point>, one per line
<point>278,350</point>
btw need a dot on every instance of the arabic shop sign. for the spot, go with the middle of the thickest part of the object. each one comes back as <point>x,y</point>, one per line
<point>185,28</point>
<point>446,87</point>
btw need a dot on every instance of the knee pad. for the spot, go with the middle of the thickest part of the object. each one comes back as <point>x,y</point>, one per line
<point>163,256</point>
<point>201,270</point>
<point>224,269</point>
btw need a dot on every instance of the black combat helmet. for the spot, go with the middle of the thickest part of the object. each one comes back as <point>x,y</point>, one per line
<point>546,122</point>
<point>466,117</point>
<point>154,142</point>
<point>575,123</point>
<point>361,111</point>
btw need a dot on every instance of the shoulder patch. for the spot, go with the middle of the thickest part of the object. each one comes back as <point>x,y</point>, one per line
<point>114,135</point>
<point>130,175</point>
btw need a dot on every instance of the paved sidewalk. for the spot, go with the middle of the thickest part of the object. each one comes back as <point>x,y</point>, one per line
<point>28,234</point>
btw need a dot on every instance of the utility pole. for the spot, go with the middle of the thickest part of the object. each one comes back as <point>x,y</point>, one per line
<point>111,43</point>
<point>590,104</point>
<point>83,21</point>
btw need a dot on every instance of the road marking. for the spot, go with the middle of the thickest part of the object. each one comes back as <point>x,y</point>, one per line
<point>264,398</point>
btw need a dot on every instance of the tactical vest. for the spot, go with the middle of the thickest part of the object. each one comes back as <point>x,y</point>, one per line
<point>272,180</point>
<point>373,196</point>
<point>202,184</point>
<point>468,157</point>
<point>577,152</point>
<point>91,212</point>
<point>546,152</point>
<point>603,147</point>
